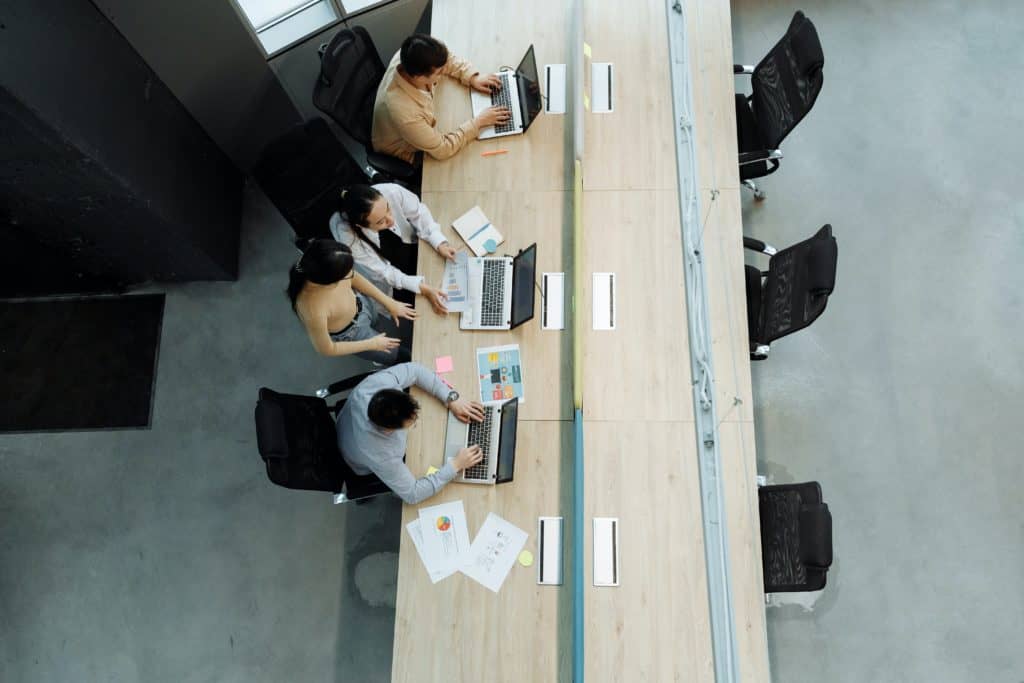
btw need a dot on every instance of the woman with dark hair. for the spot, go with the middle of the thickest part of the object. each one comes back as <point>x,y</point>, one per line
<point>364,212</point>
<point>339,307</point>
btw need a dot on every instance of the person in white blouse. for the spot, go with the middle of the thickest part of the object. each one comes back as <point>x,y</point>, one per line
<point>364,211</point>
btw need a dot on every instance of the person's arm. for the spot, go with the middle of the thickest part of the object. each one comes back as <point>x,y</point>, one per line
<point>419,217</point>
<point>325,346</point>
<point>396,309</point>
<point>418,132</point>
<point>374,264</point>
<point>458,68</point>
<point>407,374</point>
<point>399,478</point>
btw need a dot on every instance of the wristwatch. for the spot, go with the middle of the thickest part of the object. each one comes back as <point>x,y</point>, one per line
<point>452,397</point>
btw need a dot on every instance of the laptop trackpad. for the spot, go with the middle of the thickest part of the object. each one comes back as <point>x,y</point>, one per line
<point>455,437</point>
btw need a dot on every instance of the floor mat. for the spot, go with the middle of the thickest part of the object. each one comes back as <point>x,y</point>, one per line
<point>83,363</point>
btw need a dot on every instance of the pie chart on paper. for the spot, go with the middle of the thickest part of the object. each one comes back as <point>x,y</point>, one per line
<point>444,523</point>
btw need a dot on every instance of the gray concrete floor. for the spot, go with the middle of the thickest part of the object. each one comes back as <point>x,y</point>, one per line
<point>903,399</point>
<point>165,555</point>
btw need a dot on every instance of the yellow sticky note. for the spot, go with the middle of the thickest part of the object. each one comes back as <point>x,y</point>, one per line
<point>586,101</point>
<point>526,558</point>
<point>431,470</point>
<point>586,49</point>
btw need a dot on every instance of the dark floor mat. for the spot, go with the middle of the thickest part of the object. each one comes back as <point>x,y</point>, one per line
<point>70,364</point>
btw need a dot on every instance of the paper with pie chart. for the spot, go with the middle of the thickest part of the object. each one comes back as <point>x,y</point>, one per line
<point>445,537</point>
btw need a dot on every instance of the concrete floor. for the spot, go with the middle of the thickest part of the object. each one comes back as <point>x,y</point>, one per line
<point>165,555</point>
<point>904,398</point>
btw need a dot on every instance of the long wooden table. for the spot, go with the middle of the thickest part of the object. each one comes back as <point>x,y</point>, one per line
<point>639,439</point>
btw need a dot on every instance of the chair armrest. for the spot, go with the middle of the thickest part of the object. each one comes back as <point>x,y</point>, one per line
<point>390,166</point>
<point>763,155</point>
<point>758,245</point>
<point>742,69</point>
<point>342,385</point>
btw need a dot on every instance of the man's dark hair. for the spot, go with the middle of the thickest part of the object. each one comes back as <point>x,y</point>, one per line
<point>391,408</point>
<point>421,54</point>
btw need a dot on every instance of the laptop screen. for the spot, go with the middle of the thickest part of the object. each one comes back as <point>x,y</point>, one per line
<point>507,441</point>
<point>524,273</point>
<point>530,102</point>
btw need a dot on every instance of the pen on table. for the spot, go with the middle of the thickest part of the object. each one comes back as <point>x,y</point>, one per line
<point>494,152</point>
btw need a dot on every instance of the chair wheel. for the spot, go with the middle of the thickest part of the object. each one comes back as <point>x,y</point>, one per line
<point>759,196</point>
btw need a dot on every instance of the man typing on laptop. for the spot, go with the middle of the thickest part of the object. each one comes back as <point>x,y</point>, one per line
<point>373,429</point>
<point>403,112</point>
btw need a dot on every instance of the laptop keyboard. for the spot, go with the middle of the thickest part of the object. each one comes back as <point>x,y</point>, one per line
<point>480,435</point>
<point>492,298</point>
<point>501,98</point>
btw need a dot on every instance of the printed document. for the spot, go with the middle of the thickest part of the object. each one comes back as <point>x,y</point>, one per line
<point>416,533</point>
<point>493,552</point>
<point>445,536</point>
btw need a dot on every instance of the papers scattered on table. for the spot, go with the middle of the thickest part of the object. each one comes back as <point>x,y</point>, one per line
<point>455,283</point>
<point>445,537</point>
<point>442,543</point>
<point>493,552</point>
<point>500,373</point>
<point>416,533</point>
<point>476,231</point>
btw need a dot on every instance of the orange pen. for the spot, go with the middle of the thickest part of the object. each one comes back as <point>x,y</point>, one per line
<point>494,152</point>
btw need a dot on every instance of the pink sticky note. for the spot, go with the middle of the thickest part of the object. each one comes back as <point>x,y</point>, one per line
<point>443,364</point>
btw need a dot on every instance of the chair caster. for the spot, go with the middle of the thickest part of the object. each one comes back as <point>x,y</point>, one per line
<point>759,194</point>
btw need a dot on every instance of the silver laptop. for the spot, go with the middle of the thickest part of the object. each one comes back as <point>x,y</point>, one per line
<point>501,291</point>
<point>520,93</point>
<point>496,436</point>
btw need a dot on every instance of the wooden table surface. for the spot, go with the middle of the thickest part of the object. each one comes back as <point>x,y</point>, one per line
<point>639,440</point>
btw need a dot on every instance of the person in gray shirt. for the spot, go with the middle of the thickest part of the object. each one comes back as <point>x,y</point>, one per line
<point>373,428</point>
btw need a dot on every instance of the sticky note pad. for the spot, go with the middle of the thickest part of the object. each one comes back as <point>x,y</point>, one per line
<point>526,558</point>
<point>431,470</point>
<point>586,49</point>
<point>443,364</point>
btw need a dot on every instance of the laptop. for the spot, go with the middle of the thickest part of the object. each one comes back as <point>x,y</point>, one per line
<point>496,436</point>
<point>520,92</point>
<point>501,291</point>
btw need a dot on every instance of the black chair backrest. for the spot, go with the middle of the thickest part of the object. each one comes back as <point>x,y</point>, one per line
<point>345,90</point>
<point>302,171</point>
<point>799,282</point>
<point>796,537</point>
<point>787,81</point>
<point>298,442</point>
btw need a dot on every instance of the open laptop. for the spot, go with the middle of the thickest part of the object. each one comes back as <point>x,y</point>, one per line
<point>501,291</point>
<point>520,92</point>
<point>496,436</point>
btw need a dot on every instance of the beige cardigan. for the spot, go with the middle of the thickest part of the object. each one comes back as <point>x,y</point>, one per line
<point>403,115</point>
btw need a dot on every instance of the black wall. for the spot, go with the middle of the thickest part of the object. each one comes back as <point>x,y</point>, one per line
<point>101,167</point>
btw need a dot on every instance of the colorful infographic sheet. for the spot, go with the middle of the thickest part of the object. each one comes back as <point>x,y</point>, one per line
<point>455,282</point>
<point>500,373</point>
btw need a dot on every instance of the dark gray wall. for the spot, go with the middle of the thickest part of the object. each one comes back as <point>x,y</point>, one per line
<point>203,52</point>
<point>100,159</point>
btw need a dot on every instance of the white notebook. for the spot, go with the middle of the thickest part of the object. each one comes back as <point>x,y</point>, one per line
<point>477,232</point>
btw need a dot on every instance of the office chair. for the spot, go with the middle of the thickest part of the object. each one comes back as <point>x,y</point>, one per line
<point>785,85</point>
<point>297,439</point>
<point>796,537</point>
<point>345,90</point>
<point>302,173</point>
<point>793,292</point>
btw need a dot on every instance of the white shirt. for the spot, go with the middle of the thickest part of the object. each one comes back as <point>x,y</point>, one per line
<point>412,220</point>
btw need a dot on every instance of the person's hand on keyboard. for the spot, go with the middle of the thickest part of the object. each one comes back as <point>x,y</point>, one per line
<point>467,457</point>
<point>492,116</point>
<point>485,83</point>
<point>466,410</point>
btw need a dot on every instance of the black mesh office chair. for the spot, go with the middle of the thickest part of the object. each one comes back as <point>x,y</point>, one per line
<point>297,439</point>
<point>785,85</point>
<point>302,172</point>
<point>345,90</point>
<point>793,292</point>
<point>796,537</point>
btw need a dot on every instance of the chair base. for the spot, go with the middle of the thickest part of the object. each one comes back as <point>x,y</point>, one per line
<point>759,194</point>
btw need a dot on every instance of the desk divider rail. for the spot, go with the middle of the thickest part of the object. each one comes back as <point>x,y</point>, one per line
<point>716,541</point>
